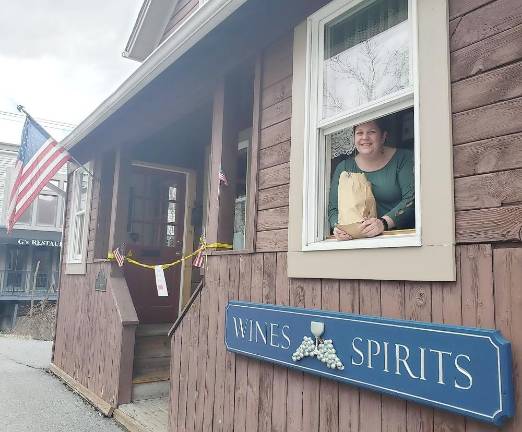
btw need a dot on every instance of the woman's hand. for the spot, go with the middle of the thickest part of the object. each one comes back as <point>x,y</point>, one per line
<point>372,227</point>
<point>339,234</point>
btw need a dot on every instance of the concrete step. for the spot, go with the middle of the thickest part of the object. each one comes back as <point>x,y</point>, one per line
<point>150,390</point>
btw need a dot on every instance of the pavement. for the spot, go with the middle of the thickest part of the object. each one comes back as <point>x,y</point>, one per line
<point>31,399</point>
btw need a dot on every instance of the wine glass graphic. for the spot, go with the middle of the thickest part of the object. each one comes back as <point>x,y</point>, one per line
<point>317,329</point>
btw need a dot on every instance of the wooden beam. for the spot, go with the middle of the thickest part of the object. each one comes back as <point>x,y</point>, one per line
<point>105,407</point>
<point>216,148</point>
<point>120,203</point>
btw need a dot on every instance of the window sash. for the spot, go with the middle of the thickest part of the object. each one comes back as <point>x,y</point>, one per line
<point>316,59</point>
<point>315,166</point>
<point>78,231</point>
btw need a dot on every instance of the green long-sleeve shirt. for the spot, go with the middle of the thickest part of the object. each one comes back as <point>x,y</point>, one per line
<point>393,187</point>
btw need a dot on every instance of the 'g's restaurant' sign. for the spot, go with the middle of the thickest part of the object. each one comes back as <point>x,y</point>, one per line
<point>464,370</point>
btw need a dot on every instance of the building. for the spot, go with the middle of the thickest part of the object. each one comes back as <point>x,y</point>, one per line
<point>267,93</point>
<point>30,255</point>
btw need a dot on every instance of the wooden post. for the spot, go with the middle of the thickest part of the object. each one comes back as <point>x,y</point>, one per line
<point>34,287</point>
<point>15,314</point>
<point>120,204</point>
<point>216,149</point>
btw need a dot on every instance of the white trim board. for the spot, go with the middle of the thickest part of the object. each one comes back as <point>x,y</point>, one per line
<point>149,28</point>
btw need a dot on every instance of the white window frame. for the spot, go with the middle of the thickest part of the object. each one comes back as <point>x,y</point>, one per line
<point>316,175</point>
<point>429,254</point>
<point>77,264</point>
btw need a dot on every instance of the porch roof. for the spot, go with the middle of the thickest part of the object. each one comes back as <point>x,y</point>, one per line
<point>181,74</point>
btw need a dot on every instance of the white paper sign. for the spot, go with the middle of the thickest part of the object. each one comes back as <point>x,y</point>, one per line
<point>161,284</point>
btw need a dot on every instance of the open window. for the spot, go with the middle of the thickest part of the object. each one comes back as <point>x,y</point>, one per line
<point>373,62</point>
<point>361,69</point>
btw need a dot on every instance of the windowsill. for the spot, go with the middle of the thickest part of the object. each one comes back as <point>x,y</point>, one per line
<point>397,238</point>
<point>30,227</point>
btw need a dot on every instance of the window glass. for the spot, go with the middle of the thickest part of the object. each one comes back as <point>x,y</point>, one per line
<point>81,185</point>
<point>366,56</point>
<point>16,275</point>
<point>171,215</point>
<point>170,239</point>
<point>78,235</point>
<point>26,217</point>
<point>240,201</point>
<point>47,208</point>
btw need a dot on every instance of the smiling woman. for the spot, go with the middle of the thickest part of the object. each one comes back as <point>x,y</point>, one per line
<point>390,172</point>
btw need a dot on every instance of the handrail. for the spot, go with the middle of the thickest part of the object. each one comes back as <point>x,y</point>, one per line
<point>186,308</point>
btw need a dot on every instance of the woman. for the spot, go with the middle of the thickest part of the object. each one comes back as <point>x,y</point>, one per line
<point>390,172</point>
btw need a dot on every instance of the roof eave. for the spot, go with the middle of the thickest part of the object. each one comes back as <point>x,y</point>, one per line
<point>148,29</point>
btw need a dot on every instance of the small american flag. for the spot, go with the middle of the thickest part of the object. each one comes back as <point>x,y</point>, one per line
<point>39,159</point>
<point>200,257</point>
<point>119,256</point>
<point>198,261</point>
<point>222,177</point>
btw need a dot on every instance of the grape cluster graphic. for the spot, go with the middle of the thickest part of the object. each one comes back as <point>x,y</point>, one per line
<point>323,350</point>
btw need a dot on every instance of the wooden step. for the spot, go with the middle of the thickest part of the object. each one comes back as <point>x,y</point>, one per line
<point>151,354</point>
<point>151,369</point>
<point>152,347</point>
<point>153,329</point>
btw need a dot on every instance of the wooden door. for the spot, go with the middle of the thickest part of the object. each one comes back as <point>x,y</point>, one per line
<point>155,236</point>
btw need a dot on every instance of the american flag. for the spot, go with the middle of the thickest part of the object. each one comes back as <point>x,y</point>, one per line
<point>200,257</point>
<point>222,177</point>
<point>39,159</point>
<point>198,261</point>
<point>119,256</point>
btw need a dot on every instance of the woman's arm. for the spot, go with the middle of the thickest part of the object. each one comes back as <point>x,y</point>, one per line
<point>333,210</point>
<point>403,214</point>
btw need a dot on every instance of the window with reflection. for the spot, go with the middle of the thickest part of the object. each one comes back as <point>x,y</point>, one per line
<point>361,145</point>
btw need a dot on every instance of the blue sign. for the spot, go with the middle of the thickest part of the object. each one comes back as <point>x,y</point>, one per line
<point>463,370</point>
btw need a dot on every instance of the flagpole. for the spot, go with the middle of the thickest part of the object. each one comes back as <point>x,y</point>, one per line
<point>22,110</point>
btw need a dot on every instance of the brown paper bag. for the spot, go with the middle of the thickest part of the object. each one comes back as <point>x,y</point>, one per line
<point>355,202</point>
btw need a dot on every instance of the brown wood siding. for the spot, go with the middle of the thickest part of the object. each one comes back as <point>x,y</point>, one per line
<point>242,394</point>
<point>89,315</point>
<point>486,57</point>
<point>91,343</point>
<point>183,10</point>
<point>274,145</point>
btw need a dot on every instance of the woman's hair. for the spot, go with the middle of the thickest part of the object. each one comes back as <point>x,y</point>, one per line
<point>380,122</point>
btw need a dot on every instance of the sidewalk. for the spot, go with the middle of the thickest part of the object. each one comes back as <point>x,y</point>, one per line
<point>33,400</point>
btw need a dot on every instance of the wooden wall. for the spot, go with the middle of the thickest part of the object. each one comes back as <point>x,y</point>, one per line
<point>213,390</point>
<point>90,336</point>
<point>88,315</point>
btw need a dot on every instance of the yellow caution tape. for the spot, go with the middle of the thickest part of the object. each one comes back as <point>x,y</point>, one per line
<point>110,256</point>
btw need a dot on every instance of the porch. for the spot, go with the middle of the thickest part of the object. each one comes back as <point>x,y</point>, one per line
<point>158,187</point>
